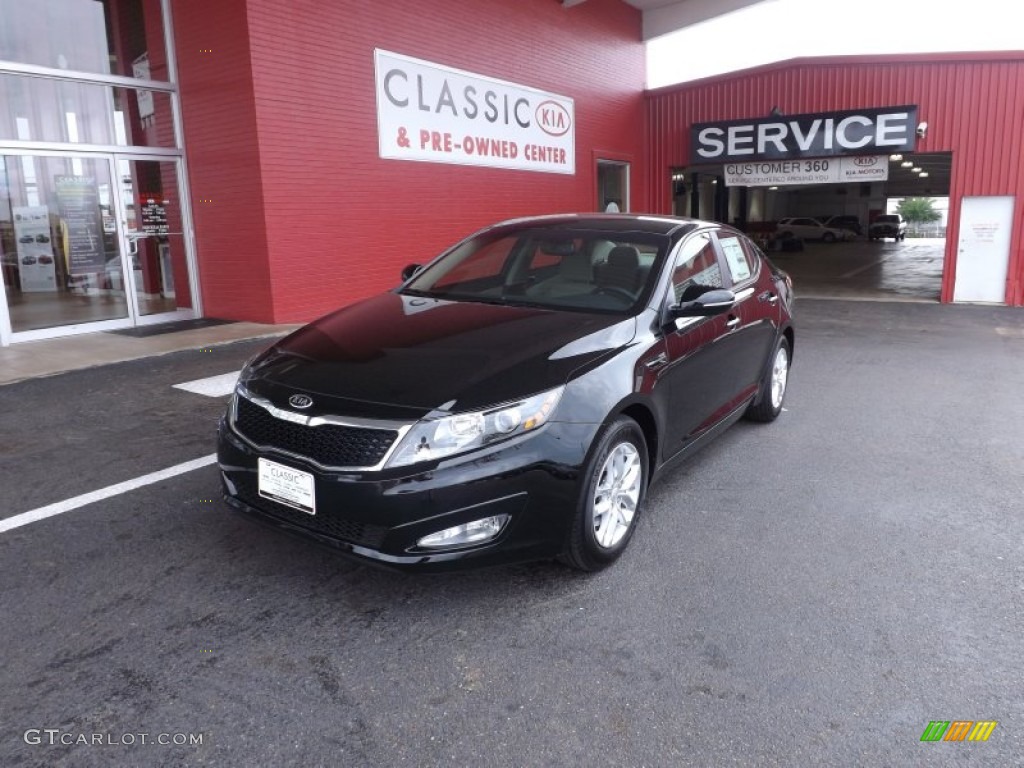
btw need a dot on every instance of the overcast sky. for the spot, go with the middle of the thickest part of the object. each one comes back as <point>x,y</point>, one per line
<point>775,30</point>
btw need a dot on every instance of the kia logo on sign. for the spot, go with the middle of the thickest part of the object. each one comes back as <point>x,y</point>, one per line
<point>300,401</point>
<point>864,162</point>
<point>553,118</point>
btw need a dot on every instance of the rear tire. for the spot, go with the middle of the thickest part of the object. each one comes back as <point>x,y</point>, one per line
<point>772,393</point>
<point>829,237</point>
<point>613,492</point>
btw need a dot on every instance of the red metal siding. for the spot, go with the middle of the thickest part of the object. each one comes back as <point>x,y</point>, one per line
<point>973,104</point>
<point>326,219</point>
<point>219,120</point>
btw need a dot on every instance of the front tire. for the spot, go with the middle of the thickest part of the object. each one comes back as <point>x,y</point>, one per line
<point>613,492</point>
<point>773,388</point>
<point>829,237</point>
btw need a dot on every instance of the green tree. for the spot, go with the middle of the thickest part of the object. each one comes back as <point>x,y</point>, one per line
<point>918,209</point>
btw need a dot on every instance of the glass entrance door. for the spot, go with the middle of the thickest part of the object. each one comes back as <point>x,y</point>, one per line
<point>59,245</point>
<point>154,237</point>
<point>91,242</point>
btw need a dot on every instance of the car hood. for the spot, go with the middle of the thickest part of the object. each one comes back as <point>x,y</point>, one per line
<point>395,356</point>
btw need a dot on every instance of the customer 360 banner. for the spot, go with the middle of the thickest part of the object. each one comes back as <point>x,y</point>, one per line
<point>432,113</point>
<point>819,170</point>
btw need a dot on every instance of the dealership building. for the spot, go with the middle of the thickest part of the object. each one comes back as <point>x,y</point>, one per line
<point>254,160</point>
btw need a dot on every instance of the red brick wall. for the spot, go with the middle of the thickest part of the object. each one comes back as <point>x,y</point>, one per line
<point>313,218</point>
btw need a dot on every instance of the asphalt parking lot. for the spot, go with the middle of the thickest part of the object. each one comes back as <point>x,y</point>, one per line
<point>810,592</point>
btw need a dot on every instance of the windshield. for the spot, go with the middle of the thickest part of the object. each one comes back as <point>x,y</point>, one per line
<point>558,268</point>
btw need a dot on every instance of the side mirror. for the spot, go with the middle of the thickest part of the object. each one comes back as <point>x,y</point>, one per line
<point>710,303</point>
<point>409,270</point>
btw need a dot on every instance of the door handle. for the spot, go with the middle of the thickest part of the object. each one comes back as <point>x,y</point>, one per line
<point>732,323</point>
<point>656,362</point>
<point>771,298</point>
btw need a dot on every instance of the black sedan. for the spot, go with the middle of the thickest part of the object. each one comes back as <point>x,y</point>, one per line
<point>514,398</point>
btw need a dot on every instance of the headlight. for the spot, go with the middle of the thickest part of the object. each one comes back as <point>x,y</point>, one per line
<point>437,438</point>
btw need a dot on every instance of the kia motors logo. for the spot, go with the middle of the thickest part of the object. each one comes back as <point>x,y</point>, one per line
<point>553,118</point>
<point>300,401</point>
<point>865,162</point>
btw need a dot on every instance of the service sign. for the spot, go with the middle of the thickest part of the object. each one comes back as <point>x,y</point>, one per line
<point>436,114</point>
<point>828,134</point>
<point>823,170</point>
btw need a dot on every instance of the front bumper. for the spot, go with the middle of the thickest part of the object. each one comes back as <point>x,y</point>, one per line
<point>379,516</point>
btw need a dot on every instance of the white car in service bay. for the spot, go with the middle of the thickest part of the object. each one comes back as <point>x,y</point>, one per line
<point>807,228</point>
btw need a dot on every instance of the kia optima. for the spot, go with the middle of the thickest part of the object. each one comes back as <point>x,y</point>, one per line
<point>514,398</point>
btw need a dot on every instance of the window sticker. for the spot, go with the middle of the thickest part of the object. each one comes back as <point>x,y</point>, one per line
<point>736,258</point>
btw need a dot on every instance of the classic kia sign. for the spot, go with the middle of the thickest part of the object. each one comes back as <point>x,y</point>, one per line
<point>827,134</point>
<point>432,113</point>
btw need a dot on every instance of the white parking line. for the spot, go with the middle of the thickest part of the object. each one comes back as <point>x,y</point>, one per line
<point>211,386</point>
<point>117,489</point>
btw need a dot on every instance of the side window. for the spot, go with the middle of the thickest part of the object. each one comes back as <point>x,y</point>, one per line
<point>696,268</point>
<point>739,256</point>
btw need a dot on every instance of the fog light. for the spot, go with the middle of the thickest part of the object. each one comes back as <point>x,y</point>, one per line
<point>468,533</point>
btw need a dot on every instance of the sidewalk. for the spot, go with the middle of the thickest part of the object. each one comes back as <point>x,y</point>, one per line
<point>32,359</point>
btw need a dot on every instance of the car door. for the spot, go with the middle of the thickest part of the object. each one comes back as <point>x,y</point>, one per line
<point>807,228</point>
<point>753,320</point>
<point>798,227</point>
<point>695,380</point>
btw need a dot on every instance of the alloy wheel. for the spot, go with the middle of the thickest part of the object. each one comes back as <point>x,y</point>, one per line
<point>617,494</point>
<point>780,373</point>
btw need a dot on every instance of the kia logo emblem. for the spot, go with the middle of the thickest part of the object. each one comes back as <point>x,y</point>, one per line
<point>553,118</point>
<point>865,161</point>
<point>300,401</point>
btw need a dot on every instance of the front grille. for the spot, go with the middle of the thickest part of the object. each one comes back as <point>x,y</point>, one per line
<point>325,522</point>
<point>329,445</point>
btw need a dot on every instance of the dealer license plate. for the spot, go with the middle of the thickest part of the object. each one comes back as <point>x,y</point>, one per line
<point>287,486</point>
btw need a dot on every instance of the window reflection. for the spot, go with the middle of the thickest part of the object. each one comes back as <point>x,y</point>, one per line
<point>108,37</point>
<point>41,109</point>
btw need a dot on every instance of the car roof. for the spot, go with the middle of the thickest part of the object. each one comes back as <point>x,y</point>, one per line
<point>611,222</point>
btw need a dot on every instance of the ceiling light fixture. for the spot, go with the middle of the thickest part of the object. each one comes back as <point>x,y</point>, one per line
<point>906,164</point>
<point>895,158</point>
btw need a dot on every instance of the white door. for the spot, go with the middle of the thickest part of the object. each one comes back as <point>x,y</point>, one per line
<point>983,252</point>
